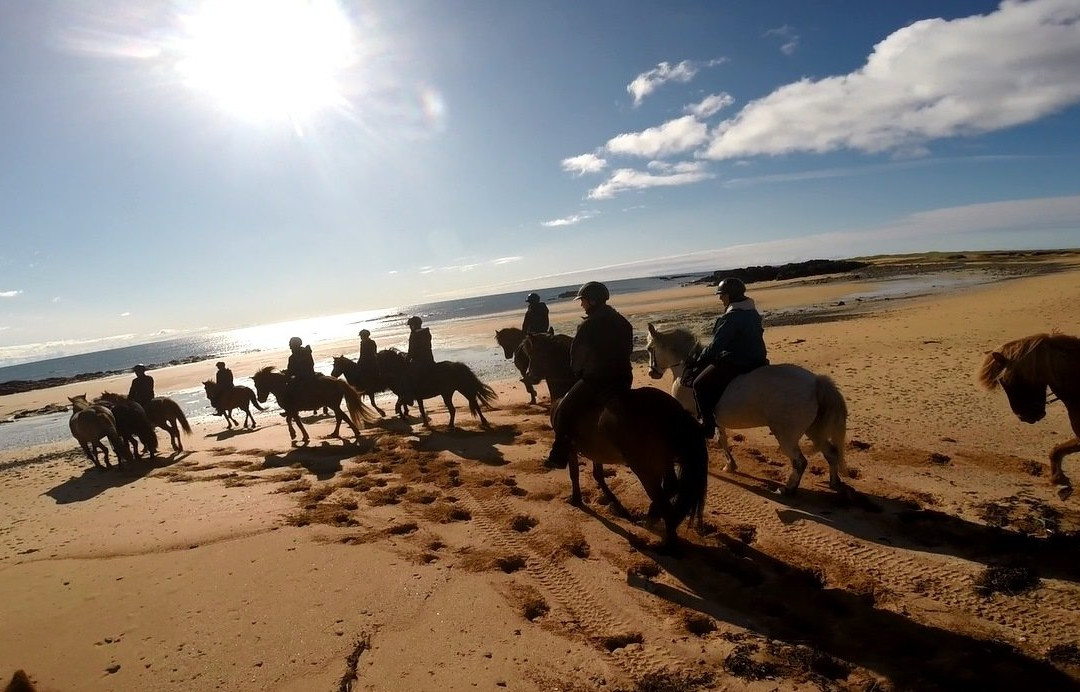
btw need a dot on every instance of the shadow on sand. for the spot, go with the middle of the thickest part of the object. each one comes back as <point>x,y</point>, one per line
<point>322,460</point>
<point>94,481</point>
<point>478,445</point>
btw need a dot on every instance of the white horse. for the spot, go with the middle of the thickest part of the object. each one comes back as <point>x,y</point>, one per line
<point>789,400</point>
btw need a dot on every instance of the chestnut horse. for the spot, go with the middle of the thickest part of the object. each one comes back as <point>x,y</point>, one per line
<point>511,339</point>
<point>1025,369</point>
<point>372,382</point>
<point>313,393</point>
<point>89,423</point>
<point>167,415</point>
<point>442,378</point>
<point>131,422</point>
<point>644,428</point>
<point>238,396</point>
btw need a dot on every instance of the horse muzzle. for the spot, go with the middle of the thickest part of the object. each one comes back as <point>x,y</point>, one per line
<point>655,374</point>
<point>1032,417</point>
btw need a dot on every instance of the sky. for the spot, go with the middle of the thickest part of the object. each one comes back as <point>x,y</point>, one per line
<point>171,166</point>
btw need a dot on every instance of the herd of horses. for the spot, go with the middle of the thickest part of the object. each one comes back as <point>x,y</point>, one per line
<point>654,433</point>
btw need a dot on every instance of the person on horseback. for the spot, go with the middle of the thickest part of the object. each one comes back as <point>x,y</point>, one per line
<point>737,347</point>
<point>600,359</point>
<point>223,379</point>
<point>367,362</point>
<point>142,387</point>
<point>419,359</point>
<point>300,368</point>
<point>536,316</point>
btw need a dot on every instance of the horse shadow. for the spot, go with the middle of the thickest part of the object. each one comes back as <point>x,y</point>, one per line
<point>903,524</point>
<point>226,434</point>
<point>733,582</point>
<point>323,461</point>
<point>94,481</point>
<point>478,445</point>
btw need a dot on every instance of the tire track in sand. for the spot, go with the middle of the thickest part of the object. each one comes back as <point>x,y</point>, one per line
<point>583,602</point>
<point>1050,615</point>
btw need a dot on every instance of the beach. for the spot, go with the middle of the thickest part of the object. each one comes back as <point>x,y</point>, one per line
<point>426,559</point>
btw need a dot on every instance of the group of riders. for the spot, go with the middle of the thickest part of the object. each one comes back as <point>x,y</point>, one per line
<point>599,358</point>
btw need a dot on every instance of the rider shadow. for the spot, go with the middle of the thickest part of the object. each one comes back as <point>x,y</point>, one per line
<point>324,461</point>
<point>94,481</point>
<point>902,524</point>
<point>733,582</point>
<point>478,445</point>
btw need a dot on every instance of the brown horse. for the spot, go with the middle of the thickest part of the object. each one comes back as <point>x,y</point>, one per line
<point>441,379</point>
<point>645,429</point>
<point>511,340</point>
<point>239,396</point>
<point>88,424</point>
<point>313,393</point>
<point>370,383</point>
<point>131,422</point>
<point>1025,368</point>
<point>167,415</point>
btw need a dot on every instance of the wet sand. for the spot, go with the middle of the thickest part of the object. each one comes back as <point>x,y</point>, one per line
<point>426,559</point>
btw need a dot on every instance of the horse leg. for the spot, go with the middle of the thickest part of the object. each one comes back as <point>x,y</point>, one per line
<point>478,411</point>
<point>730,466</point>
<point>300,424</point>
<point>530,389</point>
<point>339,416</point>
<point>371,396</point>
<point>1057,455</point>
<point>575,485</point>
<point>448,399</point>
<point>423,414</point>
<point>791,450</point>
<point>598,475</point>
<point>832,455</point>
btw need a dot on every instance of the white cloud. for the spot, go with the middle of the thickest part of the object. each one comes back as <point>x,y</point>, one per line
<point>506,260</point>
<point>930,80</point>
<point>125,314</point>
<point>673,137</point>
<point>787,33</point>
<point>710,105</point>
<point>629,179</point>
<point>9,294</point>
<point>647,82</point>
<point>585,163</point>
<point>56,299</point>
<point>568,220</point>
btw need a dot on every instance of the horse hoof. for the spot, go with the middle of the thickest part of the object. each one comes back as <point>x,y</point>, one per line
<point>784,491</point>
<point>1064,492</point>
<point>729,468</point>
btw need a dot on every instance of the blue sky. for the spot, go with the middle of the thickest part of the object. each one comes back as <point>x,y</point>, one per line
<point>170,166</point>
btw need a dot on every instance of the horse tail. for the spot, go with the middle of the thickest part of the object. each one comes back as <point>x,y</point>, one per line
<point>178,413</point>
<point>828,432</point>
<point>358,410</point>
<point>253,400</point>
<point>471,386</point>
<point>694,458</point>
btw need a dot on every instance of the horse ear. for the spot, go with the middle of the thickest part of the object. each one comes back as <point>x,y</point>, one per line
<point>551,331</point>
<point>1000,359</point>
<point>652,329</point>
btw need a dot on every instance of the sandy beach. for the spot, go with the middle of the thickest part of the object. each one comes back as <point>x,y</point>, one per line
<point>428,559</point>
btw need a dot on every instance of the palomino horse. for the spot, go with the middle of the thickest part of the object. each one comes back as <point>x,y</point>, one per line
<point>1025,368</point>
<point>89,423</point>
<point>132,422</point>
<point>644,429</point>
<point>443,379</point>
<point>239,396</point>
<point>789,400</point>
<point>313,393</point>
<point>167,415</point>
<point>370,383</point>
<point>511,340</point>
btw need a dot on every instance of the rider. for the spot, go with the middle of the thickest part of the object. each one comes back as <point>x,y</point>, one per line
<point>419,359</point>
<point>536,316</point>
<point>367,363</point>
<point>301,366</point>
<point>600,359</point>
<point>223,378</point>
<point>737,347</point>
<point>142,387</point>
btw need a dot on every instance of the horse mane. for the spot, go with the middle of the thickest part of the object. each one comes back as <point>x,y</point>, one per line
<point>265,371</point>
<point>1030,358</point>
<point>680,340</point>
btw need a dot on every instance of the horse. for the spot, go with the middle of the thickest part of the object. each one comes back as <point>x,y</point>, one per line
<point>511,340</point>
<point>88,424</point>
<point>644,429</point>
<point>1025,369</point>
<point>238,396</point>
<point>791,401</point>
<point>167,415</point>
<point>443,379</point>
<point>313,393</point>
<point>368,382</point>
<point>132,422</point>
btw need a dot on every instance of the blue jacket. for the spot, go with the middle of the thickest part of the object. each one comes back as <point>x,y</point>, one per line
<point>738,336</point>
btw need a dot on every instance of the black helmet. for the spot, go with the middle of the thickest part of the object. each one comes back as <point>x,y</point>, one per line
<point>295,342</point>
<point>364,333</point>
<point>532,298</point>
<point>221,363</point>
<point>414,321</point>
<point>139,368</point>
<point>594,291</point>
<point>732,287</point>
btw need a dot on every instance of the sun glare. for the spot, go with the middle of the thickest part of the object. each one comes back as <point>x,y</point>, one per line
<point>268,59</point>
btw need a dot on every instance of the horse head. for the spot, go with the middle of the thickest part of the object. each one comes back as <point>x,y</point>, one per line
<point>546,358</point>
<point>1027,397</point>
<point>509,338</point>
<point>266,382</point>
<point>341,363</point>
<point>79,402</point>
<point>667,349</point>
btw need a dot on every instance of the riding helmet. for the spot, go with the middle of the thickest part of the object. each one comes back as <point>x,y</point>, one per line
<point>221,363</point>
<point>364,333</point>
<point>594,291</point>
<point>732,287</point>
<point>533,298</point>
<point>295,342</point>
<point>139,368</point>
<point>414,321</point>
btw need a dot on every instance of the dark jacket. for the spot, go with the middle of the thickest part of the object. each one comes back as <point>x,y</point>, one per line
<point>602,346</point>
<point>224,379</point>
<point>737,336</point>
<point>420,346</point>
<point>369,353</point>
<point>142,390</point>
<point>536,319</point>
<point>301,363</point>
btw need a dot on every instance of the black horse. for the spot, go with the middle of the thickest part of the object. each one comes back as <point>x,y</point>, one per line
<point>374,381</point>
<point>441,379</point>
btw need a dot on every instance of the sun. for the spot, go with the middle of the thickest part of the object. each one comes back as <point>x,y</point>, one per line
<point>268,59</point>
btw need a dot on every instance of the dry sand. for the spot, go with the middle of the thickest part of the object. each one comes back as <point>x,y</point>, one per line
<point>423,559</point>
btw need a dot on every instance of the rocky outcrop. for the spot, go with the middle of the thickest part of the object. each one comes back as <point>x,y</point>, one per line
<point>792,270</point>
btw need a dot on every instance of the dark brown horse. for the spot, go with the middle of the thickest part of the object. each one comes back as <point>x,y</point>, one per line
<point>167,415</point>
<point>131,422</point>
<point>369,382</point>
<point>1025,369</point>
<point>442,379</point>
<point>511,339</point>
<point>313,393</point>
<point>238,397</point>
<point>89,423</point>
<point>645,429</point>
